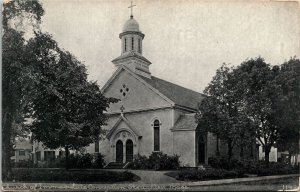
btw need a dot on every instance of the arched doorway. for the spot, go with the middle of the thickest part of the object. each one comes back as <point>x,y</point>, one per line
<point>129,150</point>
<point>119,152</point>
<point>201,150</point>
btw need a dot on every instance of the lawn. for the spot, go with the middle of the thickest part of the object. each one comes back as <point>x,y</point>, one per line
<point>201,175</point>
<point>78,176</point>
<point>288,183</point>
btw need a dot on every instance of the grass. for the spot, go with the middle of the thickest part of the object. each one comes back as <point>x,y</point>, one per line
<point>202,175</point>
<point>78,176</point>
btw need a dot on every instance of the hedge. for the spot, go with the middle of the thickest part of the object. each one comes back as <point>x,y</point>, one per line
<point>251,166</point>
<point>209,174</point>
<point>156,161</point>
<point>40,175</point>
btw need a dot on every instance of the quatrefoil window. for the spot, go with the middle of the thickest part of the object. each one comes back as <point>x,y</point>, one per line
<point>124,90</point>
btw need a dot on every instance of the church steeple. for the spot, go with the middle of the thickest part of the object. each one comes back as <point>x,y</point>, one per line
<point>132,48</point>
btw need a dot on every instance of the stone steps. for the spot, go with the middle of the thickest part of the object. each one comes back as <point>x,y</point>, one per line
<point>205,167</point>
<point>114,165</point>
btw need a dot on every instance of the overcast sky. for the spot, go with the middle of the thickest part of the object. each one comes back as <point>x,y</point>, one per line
<point>186,41</point>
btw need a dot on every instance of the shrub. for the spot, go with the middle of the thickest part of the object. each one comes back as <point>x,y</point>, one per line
<point>85,161</point>
<point>140,162</point>
<point>224,163</point>
<point>252,166</point>
<point>276,169</point>
<point>75,161</point>
<point>157,161</point>
<point>209,174</point>
<point>24,164</point>
<point>99,161</point>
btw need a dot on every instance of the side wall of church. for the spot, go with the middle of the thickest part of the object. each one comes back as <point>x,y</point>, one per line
<point>184,146</point>
<point>143,121</point>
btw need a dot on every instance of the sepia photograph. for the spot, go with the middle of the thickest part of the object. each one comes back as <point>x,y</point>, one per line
<point>160,95</point>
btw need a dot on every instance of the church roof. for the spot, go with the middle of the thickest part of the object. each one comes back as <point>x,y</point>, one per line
<point>131,54</point>
<point>23,144</point>
<point>131,25</point>
<point>185,122</point>
<point>179,95</point>
<point>122,118</point>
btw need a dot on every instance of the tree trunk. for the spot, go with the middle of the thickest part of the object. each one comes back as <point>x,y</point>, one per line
<point>267,152</point>
<point>242,152</point>
<point>6,144</point>
<point>251,150</point>
<point>67,158</point>
<point>218,151</point>
<point>229,144</point>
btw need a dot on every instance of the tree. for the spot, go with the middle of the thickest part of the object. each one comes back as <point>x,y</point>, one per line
<point>289,105</point>
<point>42,82</point>
<point>222,112</point>
<point>257,83</point>
<point>67,110</point>
<point>16,77</point>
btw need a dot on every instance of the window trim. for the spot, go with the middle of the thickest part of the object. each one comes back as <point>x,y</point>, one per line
<point>159,141</point>
<point>139,46</point>
<point>23,151</point>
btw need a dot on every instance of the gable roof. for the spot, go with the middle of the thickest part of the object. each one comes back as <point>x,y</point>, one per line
<point>185,122</point>
<point>138,77</point>
<point>179,95</point>
<point>122,118</point>
<point>130,55</point>
<point>23,144</point>
<point>171,92</point>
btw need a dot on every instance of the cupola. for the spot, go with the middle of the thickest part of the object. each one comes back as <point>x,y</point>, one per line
<point>132,48</point>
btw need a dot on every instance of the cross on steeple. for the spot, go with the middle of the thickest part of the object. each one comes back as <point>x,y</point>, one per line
<point>122,108</point>
<point>131,6</point>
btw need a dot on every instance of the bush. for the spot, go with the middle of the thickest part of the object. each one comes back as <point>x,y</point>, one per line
<point>209,174</point>
<point>140,162</point>
<point>85,161</point>
<point>224,163</point>
<point>157,161</point>
<point>39,175</point>
<point>252,166</point>
<point>25,164</point>
<point>276,169</point>
<point>98,161</point>
<point>75,161</point>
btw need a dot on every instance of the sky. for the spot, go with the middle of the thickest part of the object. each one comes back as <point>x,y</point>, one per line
<point>186,41</point>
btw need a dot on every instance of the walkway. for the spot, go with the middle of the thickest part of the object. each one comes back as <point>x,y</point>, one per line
<point>154,177</point>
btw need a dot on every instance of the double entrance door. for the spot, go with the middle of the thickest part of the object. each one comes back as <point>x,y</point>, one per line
<point>128,151</point>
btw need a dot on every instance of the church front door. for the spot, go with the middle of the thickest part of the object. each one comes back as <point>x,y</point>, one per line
<point>129,151</point>
<point>201,150</point>
<point>119,152</point>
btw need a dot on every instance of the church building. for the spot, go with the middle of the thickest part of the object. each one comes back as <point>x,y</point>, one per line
<point>153,115</point>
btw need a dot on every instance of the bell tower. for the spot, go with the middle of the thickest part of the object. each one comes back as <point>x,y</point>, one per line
<point>132,48</point>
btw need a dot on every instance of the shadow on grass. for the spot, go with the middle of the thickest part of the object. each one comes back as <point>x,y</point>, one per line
<point>78,176</point>
<point>204,175</point>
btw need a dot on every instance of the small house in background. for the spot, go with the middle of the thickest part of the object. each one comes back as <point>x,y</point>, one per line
<point>22,150</point>
<point>273,155</point>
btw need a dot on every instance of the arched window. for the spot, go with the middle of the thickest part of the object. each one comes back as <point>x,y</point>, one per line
<point>156,127</point>
<point>132,43</point>
<point>125,44</point>
<point>140,51</point>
